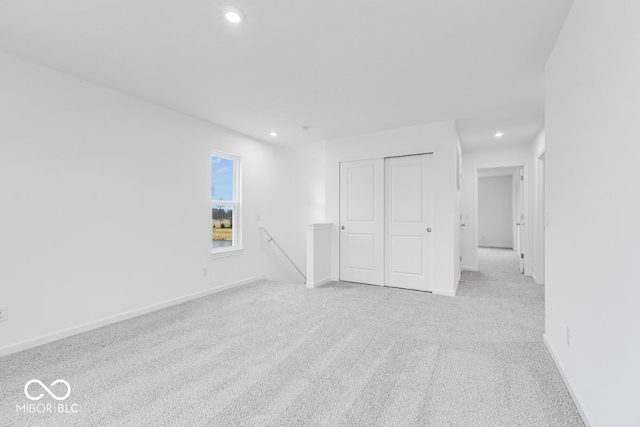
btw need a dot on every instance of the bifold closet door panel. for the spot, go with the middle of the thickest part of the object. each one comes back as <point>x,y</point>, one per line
<point>409,221</point>
<point>362,221</point>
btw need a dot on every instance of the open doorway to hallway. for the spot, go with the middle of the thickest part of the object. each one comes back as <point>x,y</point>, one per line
<point>501,214</point>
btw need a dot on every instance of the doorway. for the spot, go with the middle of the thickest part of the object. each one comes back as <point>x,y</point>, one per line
<point>386,214</point>
<point>500,211</point>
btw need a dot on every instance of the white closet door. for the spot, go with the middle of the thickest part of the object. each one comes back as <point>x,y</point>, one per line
<point>362,221</point>
<point>409,222</point>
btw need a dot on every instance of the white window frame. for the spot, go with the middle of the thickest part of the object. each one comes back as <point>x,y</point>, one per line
<point>235,249</point>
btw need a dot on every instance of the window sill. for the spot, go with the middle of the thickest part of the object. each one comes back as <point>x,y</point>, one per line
<point>226,253</point>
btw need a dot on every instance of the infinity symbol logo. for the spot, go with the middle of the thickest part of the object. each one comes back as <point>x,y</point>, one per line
<point>26,391</point>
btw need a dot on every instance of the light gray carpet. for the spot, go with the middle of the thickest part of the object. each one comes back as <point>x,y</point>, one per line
<point>343,354</point>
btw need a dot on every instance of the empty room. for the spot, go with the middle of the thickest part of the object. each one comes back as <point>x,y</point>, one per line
<point>329,213</point>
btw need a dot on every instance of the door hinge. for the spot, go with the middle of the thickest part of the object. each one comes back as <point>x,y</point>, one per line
<point>460,257</point>
<point>522,256</point>
<point>521,178</point>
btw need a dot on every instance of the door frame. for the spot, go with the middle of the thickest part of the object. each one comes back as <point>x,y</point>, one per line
<point>526,243</point>
<point>540,226</point>
<point>519,227</point>
<point>384,195</point>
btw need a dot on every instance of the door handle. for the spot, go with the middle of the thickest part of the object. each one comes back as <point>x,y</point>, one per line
<point>428,230</point>
<point>463,225</point>
<point>342,227</point>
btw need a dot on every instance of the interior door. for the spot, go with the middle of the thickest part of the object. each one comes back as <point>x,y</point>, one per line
<point>362,221</point>
<point>542,222</point>
<point>520,223</point>
<point>462,226</point>
<point>409,222</point>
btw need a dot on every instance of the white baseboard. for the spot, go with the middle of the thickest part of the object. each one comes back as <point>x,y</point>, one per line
<point>445,293</point>
<point>319,282</point>
<point>536,279</point>
<point>574,395</point>
<point>44,339</point>
<point>469,268</point>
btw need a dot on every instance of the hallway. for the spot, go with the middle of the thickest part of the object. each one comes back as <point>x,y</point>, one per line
<point>499,277</point>
<point>512,317</point>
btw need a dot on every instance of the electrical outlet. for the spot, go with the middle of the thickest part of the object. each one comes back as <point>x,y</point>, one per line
<point>205,271</point>
<point>3,313</point>
<point>568,337</point>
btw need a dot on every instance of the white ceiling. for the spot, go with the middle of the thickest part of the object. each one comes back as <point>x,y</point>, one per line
<point>340,67</point>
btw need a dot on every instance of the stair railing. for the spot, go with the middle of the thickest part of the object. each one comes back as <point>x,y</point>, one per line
<point>271,239</point>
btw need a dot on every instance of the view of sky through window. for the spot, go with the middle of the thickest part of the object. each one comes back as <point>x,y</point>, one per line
<point>221,179</point>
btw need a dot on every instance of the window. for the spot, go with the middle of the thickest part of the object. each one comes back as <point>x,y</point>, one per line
<point>225,204</point>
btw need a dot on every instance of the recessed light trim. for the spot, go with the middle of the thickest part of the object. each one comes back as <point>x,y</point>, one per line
<point>274,134</point>
<point>234,15</point>
<point>499,134</point>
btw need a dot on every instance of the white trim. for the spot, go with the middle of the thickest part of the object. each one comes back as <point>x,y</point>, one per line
<point>476,261</point>
<point>526,173</point>
<point>44,339</point>
<point>444,293</point>
<point>236,203</point>
<point>574,395</point>
<point>541,152</point>
<point>469,268</point>
<point>319,282</point>
<point>226,253</point>
<point>539,214</point>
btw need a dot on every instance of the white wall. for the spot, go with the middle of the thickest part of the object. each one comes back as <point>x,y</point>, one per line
<point>481,159</point>
<point>441,139</point>
<point>537,207</point>
<point>592,89</point>
<point>319,238</point>
<point>106,204</point>
<point>495,212</point>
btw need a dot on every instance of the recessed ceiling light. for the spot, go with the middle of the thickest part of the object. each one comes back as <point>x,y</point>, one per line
<point>273,134</point>
<point>234,15</point>
<point>498,134</point>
